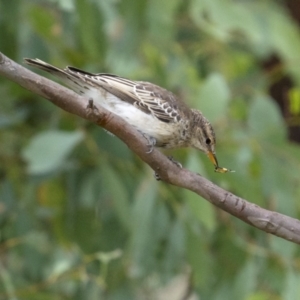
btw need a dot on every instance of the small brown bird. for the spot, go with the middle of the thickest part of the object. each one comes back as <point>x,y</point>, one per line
<point>165,120</point>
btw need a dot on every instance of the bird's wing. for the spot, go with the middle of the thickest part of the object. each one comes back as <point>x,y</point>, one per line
<point>149,98</point>
<point>163,104</point>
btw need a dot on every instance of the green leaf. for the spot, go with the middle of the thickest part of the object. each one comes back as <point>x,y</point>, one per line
<point>292,287</point>
<point>118,193</point>
<point>246,280</point>
<point>222,18</point>
<point>44,22</point>
<point>9,29</point>
<point>259,296</point>
<point>90,30</point>
<point>48,151</point>
<point>214,97</point>
<point>285,39</point>
<point>278,184</point>
<point>265,121</point>
<point>160,17</point>
<point>283,248</point>
<point>200,209</point>
<point>175,246</point>
<point>143,219</point>
<point>199,257</point>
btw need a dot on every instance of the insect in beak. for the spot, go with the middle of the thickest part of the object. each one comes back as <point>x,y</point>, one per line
<point>214,160</point>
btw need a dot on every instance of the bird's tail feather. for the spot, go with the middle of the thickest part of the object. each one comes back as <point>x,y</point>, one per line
<point>71,79</point>
<point>46,67</point>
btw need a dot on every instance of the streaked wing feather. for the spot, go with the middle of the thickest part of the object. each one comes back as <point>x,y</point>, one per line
<point>162,103</point>
<point>149,98</point>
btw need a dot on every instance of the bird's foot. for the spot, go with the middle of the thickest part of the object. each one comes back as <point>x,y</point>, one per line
<point>151,141</point>
<point>177,163</point>
<point>92,111</point>
<point>93,114</point>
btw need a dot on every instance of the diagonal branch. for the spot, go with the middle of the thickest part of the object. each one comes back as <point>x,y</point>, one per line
<point>271,222</point>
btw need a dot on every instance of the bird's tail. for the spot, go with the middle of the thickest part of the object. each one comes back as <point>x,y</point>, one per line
<point>46,67</point>
<point>72,79</point>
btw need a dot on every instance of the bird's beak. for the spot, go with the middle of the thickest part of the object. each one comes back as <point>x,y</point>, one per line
<point>213,158</point>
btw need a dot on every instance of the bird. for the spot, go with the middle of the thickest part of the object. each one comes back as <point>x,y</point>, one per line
<point>163,118</point>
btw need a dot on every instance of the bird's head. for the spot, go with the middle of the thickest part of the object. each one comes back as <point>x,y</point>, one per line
<point>203,137</point>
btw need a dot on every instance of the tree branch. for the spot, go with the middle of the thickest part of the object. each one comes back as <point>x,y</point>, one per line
<point>271,222</point>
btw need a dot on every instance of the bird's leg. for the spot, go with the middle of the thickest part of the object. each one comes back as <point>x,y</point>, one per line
<point>92,111</point>
<point>178,164</point>
<point>151,141</point>
<point>175,162</point>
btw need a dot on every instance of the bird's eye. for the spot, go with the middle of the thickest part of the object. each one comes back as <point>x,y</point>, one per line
<point>208,141</point>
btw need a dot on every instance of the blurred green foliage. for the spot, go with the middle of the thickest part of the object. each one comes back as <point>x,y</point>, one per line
<point>81,217</point>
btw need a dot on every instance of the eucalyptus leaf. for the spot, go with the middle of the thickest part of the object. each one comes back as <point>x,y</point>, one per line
<point>143,218</point>
<point>116,188</point>
<point>48,151</point>
<point>292,288</point>
<point>246,280</point>
<point>265,121</point>
<point>214,97</point>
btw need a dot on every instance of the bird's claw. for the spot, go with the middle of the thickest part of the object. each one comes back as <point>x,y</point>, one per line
<point>92,111</point>
<point>175,162</point>
<point>151,141</point>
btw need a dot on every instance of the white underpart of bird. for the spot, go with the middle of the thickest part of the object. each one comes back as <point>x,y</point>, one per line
<point>131,114</point>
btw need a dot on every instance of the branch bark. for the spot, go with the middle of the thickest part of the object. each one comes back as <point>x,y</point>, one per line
<point>271,222</point>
